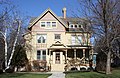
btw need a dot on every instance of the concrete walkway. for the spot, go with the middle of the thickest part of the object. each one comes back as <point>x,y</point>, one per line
<point>57,75</point>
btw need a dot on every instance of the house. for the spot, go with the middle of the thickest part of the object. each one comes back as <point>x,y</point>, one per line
<point>61,43</point>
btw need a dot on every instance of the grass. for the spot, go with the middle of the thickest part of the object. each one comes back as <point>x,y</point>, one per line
<point>23,75</point>
<point>115,74</point>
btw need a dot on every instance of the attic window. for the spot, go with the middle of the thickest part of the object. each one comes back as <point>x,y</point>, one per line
<point>53,24</point>
<point>42,24</point>
<point>48,24</point>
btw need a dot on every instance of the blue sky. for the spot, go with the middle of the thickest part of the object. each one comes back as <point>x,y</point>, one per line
<point>36,7</point>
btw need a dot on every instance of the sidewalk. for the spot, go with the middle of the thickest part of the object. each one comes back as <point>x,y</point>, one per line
<point>57,75</point>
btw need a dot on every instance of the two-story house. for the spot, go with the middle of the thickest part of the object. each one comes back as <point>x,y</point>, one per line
<point>62,42</point>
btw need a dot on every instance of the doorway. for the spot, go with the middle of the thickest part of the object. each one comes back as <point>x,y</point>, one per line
<point>57,57</point>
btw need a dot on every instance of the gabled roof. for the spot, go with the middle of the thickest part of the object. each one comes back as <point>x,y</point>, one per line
<point>35,20</point>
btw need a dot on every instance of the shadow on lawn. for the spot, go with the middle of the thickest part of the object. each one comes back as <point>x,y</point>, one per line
<point>100,72</point>
<point>15,74</point>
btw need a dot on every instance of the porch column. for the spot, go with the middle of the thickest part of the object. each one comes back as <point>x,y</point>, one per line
<point>75,53</point>
<point>54,57</point>
<point>84,55</point>
<point>65,56</point>
<point>61,59</point>
<point>49,55</point>
<point>49,60</point>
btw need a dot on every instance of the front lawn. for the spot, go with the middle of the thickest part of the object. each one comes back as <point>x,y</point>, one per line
<point>23,75</point>
<point>115,74</point>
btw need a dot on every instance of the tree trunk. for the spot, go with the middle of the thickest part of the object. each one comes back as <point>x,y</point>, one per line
<point>18,30</point>
<point>108,64</point>
<point>5,48</point>
<point>5,42</point>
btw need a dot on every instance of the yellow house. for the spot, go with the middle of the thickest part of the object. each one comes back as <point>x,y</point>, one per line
<point>62,43</point>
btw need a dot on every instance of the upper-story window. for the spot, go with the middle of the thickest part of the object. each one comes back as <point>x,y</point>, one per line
<point>75,26</point>
<point>58,36</point>
<point>80,26</point>
<point>42,24</point>
<point>48,24</point>
<point>53,24</point>
<point>41,38</point>
<point>71,26</point>
<point>76,39</point>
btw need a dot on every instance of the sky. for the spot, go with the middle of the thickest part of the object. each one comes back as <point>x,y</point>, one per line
<point>36,7</point>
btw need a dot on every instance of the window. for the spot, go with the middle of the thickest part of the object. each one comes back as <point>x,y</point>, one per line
<point>79,39</point>
<point>42,24</point>
<point>73,39</point>
<point>44,54</point>
<point>48,24</point>
<point>75,26</point>
<point>57,36</point>
<point>71,26</point>
<point>38,54</point>
<point>41,54</point>
<point>53,24</point>
<point>76,39</point>
<point>41,38</point>
<point>57,58</point>
<point>79,26</point>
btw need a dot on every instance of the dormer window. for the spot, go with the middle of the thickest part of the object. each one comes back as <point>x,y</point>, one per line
<point>75,25</point>
<point>80,26</point>
<point>71,26</point>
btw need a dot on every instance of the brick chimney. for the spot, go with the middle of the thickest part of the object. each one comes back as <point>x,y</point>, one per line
<point>64,12</point>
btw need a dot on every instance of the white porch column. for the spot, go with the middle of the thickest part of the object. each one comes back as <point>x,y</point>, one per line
<point>75,53</point>
<point>50,60</point>
<point>65,56</point>
<point>84,55</point>
<point>61,59</point>
<point>49,56</point>
<point>54,57</point>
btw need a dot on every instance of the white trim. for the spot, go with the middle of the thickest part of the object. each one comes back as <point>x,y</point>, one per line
<point>50,24</point>
<point>48,10</point>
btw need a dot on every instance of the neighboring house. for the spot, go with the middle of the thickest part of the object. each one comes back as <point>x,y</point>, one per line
<point>61,42</point>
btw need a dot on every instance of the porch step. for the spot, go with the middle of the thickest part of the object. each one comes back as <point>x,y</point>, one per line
<point>57,67</point>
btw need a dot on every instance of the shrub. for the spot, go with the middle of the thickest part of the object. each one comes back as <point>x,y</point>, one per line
<point>9,70</point>
<point>73,69</point>
<point>28,67</point>
<point>1,71</point>
<point>83,69</point>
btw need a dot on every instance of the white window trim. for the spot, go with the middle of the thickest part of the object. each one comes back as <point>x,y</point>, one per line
<point>42,42</point>
<point>57,39</point>
<point>75,40</point>
<point>74,26</point>
<point>41,54</point>
<point>50,24</point>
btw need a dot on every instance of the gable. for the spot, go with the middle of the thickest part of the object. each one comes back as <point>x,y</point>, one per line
<point>48,15</point>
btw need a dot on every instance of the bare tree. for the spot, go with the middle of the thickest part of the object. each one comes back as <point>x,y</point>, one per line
<point>104,16</point>
<point>11,24</point>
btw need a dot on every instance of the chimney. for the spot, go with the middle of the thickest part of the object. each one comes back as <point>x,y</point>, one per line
<point>64,13</point>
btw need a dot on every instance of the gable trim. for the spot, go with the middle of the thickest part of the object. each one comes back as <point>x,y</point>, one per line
<point>43,14</point>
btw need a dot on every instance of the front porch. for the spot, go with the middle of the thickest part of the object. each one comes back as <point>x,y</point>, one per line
<point>63,59</point>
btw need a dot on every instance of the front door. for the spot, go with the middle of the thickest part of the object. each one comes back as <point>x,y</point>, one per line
<point>57,64</point>
<point>57,57</point>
